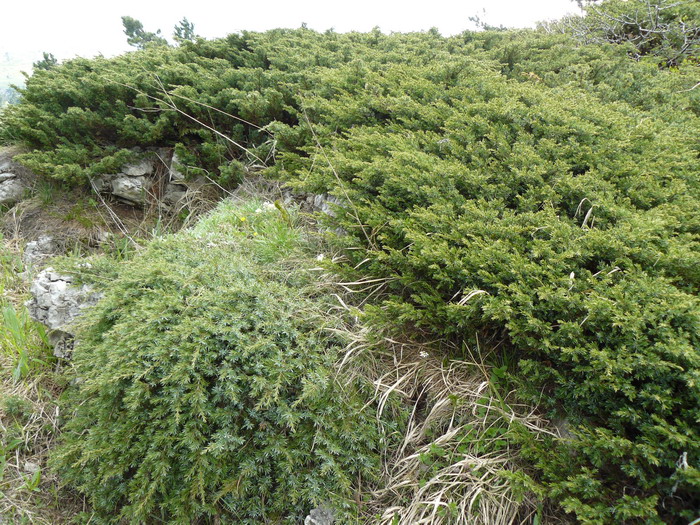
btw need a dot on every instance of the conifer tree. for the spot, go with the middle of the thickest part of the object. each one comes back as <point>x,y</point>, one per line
<point>47,62</point>
<point>184,30</point>
<point>139,38</point>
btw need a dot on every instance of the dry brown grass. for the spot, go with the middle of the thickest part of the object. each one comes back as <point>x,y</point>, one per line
<point>449,465</point>
<point>26,443</point>
<point>28,417</point>
<point>68,216</point>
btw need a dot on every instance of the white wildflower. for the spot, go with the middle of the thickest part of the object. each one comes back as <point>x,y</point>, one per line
<point>320,257</point>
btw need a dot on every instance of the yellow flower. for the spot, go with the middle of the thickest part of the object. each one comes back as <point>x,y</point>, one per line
<point>242,219</point>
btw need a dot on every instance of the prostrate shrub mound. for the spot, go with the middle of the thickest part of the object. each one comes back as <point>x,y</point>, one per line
<point>83,117</point>
<point>556,225</point>
<point>205,390</point>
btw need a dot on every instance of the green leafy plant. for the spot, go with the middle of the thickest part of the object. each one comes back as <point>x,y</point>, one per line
<point>16,408</point>
<point>205,388</point>
<point>5,449</point>
<point>31,483</point>
<point>519,185</point>
<point>22,338</point>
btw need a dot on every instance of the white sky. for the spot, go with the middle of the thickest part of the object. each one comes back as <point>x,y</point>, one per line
<point>88,27</point>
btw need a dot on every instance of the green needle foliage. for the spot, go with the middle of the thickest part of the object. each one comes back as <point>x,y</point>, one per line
<point>520,185</point>
<point>561,226</point>
<point>205,388</point>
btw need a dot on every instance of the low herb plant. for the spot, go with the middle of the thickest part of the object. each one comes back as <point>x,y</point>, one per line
<point>22,340</point>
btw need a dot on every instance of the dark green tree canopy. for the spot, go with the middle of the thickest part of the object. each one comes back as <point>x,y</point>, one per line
<point>47,62</point>
<point>184,30</point>
<point>139,38</point>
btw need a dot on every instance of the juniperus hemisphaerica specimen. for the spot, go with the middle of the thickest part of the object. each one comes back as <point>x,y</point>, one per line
<point>516,184</point>
<point>206,391</point>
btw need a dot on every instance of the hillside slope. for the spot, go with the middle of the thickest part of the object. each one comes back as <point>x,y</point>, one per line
<point>513,191</point>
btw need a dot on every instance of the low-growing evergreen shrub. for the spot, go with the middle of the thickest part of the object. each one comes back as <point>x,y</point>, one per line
<point>205,390</point>
<point>515,184</point>
<point>564,229</point>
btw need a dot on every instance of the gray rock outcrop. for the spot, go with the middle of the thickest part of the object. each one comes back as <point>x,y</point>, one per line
<point>314,202</point>
<point>56,303</point>
<point>37,252</point>
<point>15,179</point>
<point>103,183</point>
<point>11,189</point>
<point>320,516</point>
<point>174,193</point>
<point>323,203</point>
<point>175,174</point>
<point>140,168</point>
<point>137,180</point>
<point>131,184</point>
<point>130,188</point>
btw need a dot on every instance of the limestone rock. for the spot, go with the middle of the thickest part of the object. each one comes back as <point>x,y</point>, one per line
<point>175,174</point>
<point>103,183</point>
<point>320,516</point>
<point>31,468</point>
<point>324,203</point>
<point>138,169</point>
<point>103,237</point>
<point>36,252</point>
<point>6,176</point>
<point>132,189</point>
<point>174,193</point>
<point>11,189</point>
<point>313,202</point>
<point>57,303</point>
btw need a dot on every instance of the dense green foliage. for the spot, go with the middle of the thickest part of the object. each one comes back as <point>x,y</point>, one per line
<point>205,388</point>
<point>83,117</point>
<point>512,184</point>
<point>668,30</point>
<point>184,30</point>
<point>561,225</point>
<point>48,61</point>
